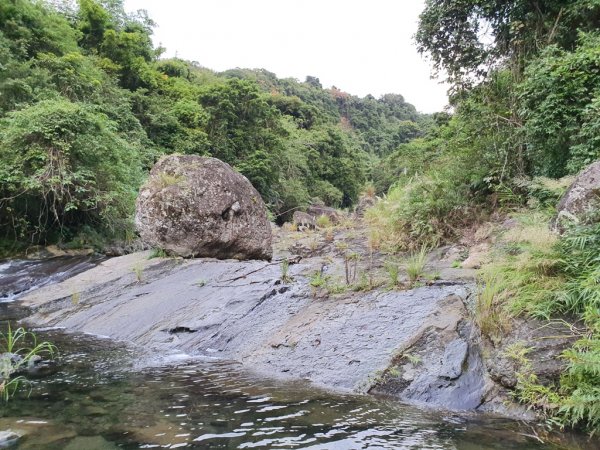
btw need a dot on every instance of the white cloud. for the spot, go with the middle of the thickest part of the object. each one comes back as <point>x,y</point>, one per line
<point>362,47</point>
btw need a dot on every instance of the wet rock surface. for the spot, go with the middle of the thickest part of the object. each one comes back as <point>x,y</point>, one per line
<point>8,439</point>
<point>19,276</point>
<point>242,311</point>
<point>193,206</point>
<point>442,366</point>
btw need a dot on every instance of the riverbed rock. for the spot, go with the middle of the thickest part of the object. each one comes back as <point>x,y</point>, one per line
<point>364,203</point>
<point>582,198</point>
<point>441,365</point>
<point>19,275</point>
<point>420,345</point>
<point>90,443</point>
<point>317,211</point>
<point>304,221</point>
<point>542,344</point>
<point>242,311</point>
<point>8,439</point>
<point>193,206</point>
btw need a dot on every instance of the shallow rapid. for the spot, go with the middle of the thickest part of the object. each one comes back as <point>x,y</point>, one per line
<point>19,276</point>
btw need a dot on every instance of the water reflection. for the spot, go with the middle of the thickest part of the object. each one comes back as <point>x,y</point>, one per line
<point>101,400</point>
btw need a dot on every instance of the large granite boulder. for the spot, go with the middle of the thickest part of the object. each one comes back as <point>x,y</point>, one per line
<point>193,206</point>
<point>582,198</point>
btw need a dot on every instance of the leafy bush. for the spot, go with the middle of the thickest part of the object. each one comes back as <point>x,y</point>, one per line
<point>424,211</point>
<point>559,103</point>
<point>64,166</point>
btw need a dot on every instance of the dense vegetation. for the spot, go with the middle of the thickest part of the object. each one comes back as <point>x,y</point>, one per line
<point>87,106</point>
<point>525,81</point>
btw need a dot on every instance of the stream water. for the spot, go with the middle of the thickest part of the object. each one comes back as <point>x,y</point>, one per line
<point>108,396</point>
<point>18,276</point>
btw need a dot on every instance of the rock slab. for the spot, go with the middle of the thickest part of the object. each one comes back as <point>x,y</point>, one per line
<point>194,206</point>
<point>242,311</point>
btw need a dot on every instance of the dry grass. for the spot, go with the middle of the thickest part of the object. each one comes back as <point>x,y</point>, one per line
<point>374,239</point>
<point>369,190</point>
<point>290,227</point>
<point>346,223</point>
<point>536,235</point>
<point>165,180</point>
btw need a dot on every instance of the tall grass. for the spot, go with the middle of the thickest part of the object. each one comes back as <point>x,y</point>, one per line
<point>415,264</point>
<point>393,270</point>
<point>17,350</point>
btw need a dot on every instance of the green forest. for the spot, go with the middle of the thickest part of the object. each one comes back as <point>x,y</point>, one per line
<point>87,106</point>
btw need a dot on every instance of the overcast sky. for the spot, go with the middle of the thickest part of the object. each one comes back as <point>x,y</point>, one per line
<point>362,47</point>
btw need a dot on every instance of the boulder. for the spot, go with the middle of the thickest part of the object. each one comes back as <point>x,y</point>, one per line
<point>582,197</point>
<point>304,221</point>
<point>364,202</point>
<point>322,210</point>
<point>194,206</point>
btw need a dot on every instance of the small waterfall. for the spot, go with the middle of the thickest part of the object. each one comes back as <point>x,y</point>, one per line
<point>18,276</point>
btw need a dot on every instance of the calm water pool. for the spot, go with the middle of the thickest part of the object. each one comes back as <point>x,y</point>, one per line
<point>101,399</point>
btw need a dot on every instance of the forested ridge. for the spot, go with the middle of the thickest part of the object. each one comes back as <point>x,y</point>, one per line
<point>87,106</point>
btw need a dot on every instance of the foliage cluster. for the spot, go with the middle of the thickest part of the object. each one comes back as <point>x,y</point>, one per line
<point>525,83</point>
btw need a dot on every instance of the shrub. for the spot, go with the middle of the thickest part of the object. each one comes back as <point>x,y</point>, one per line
<point>64,166</point>
<point>424,211</point>
<point>323,221</point>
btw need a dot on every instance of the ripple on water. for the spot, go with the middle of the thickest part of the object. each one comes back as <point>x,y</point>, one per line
<point>101,394</point>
